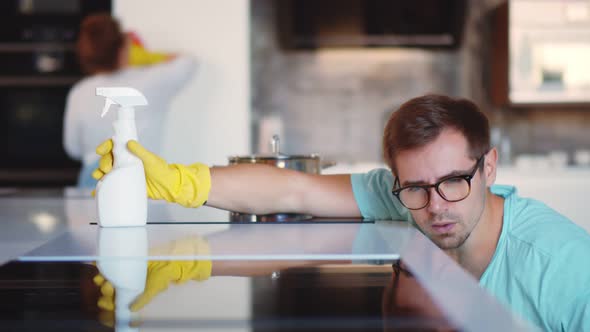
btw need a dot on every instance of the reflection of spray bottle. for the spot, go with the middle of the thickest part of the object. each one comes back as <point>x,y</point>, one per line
<point>122,261</point>
<point>121,194</point>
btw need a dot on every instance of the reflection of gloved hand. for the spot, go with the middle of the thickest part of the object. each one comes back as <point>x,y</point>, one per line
<point>106,301</point>
<point>161,273</point>
<point>186,185</point>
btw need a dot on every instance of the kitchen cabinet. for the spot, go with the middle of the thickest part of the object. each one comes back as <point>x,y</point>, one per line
<point>541,59</point>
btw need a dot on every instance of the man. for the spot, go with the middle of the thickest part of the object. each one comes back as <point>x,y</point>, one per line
<point>529,256</point>
<point>403,296</point>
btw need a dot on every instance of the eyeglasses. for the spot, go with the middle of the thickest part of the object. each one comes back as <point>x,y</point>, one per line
<point>451,189</point>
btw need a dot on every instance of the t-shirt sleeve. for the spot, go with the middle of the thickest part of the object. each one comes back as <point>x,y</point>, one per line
<point>571,281</point>
<point>372,192</point>
<point>578,317</point>
<point>554,265</point>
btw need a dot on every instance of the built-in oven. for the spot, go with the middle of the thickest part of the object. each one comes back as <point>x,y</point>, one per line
<point>38,67</point>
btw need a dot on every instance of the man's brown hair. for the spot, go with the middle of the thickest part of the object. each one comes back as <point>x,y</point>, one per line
<point>420,121</point>
<point>99,43</point>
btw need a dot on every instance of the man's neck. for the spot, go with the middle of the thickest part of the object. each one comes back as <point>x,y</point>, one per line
<point>476,253</point>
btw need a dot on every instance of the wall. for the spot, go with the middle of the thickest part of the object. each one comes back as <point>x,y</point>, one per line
<point>335,102</point>
<point>210,119</point>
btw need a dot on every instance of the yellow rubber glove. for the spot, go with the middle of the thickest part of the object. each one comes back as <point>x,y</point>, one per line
<point>139,56</point>
<point>106,301</point>
<point>161,273</point>
<point>107,293</point>
<point>186,185</point>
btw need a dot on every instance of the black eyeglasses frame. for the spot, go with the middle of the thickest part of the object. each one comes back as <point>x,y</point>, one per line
<point>426,187</point>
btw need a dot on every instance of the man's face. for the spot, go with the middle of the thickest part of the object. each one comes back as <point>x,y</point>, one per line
<point>447,224</point>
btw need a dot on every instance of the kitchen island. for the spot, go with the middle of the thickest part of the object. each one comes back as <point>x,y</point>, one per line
<point>321,274</point>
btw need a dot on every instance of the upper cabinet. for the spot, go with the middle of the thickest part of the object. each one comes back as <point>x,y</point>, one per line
<point>548,51</point>
<point>371,23</point>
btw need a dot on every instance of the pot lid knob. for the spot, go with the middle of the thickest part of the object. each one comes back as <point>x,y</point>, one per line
<point>274,143</point>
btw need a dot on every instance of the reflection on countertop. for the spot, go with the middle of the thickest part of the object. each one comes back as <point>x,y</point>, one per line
<point>239,253</point>
<point>305,297</point>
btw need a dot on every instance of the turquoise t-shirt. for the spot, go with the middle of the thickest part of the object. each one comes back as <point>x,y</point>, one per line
<point>541,267</point>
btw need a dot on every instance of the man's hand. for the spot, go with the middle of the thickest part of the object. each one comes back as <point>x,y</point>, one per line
<point>159,276</point>
<point>162,273</point>
<point>186,185</point>
<point>106,301</point>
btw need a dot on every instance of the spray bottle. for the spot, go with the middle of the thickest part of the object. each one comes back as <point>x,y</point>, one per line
<point>123,262</point>
<point>121,194</point>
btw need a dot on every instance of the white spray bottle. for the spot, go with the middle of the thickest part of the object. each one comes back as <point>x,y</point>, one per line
<point>121,194</point>
<point>123,262</point>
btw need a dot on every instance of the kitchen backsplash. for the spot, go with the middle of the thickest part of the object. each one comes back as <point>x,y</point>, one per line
<point>335,102</point>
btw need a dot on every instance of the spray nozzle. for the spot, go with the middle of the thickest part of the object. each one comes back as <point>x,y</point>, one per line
<point>126,97</point>
<point>107,106</point>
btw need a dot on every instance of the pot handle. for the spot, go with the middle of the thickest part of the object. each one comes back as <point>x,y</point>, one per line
<point>327,163</point>
<point>275,144</point>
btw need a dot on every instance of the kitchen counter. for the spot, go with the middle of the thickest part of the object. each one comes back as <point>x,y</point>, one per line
<point>319,274</point>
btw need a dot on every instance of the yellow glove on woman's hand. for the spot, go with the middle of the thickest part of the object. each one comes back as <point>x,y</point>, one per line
<point>139,56</point>
<point>186,185</point>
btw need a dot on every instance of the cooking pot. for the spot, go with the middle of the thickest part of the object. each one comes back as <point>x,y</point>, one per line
<point>304,163</point>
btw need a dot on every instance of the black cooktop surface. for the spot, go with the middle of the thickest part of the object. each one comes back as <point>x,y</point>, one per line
<point>300,296</point>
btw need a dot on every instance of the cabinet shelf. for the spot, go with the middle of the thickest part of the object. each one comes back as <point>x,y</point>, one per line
<point>20,81</point>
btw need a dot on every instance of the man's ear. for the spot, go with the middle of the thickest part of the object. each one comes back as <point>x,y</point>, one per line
<point>490,166</point>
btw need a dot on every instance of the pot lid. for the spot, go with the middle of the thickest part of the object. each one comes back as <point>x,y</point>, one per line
<point>275,155</point>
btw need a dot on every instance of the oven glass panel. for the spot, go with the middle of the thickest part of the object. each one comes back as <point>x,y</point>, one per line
<point>31,121</point>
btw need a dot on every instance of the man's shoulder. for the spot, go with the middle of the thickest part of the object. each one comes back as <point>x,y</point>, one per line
<point>376,177</point>
<point>372,192</point>
<point>535,225</point>
<point>542,256</point>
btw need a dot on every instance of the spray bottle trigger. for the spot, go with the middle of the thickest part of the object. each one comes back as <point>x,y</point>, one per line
<point>107,106</point>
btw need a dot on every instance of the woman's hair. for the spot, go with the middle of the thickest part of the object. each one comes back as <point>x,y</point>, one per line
<point>420,121</point>
<point>100,41</point>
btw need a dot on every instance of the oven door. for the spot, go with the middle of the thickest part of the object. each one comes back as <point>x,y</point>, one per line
<point>38,67</point>
<point>31,149</point>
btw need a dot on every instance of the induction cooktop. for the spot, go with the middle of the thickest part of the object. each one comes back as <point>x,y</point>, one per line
<point>50,296</point>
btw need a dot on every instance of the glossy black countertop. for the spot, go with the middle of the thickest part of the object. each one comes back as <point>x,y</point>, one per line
<point>328,274</point>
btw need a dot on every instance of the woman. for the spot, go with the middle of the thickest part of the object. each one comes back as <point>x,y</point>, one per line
<point>107,55</point>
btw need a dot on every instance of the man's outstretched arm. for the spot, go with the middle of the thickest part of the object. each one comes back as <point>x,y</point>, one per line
<point>262,189</point>
<point>251,188</point>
